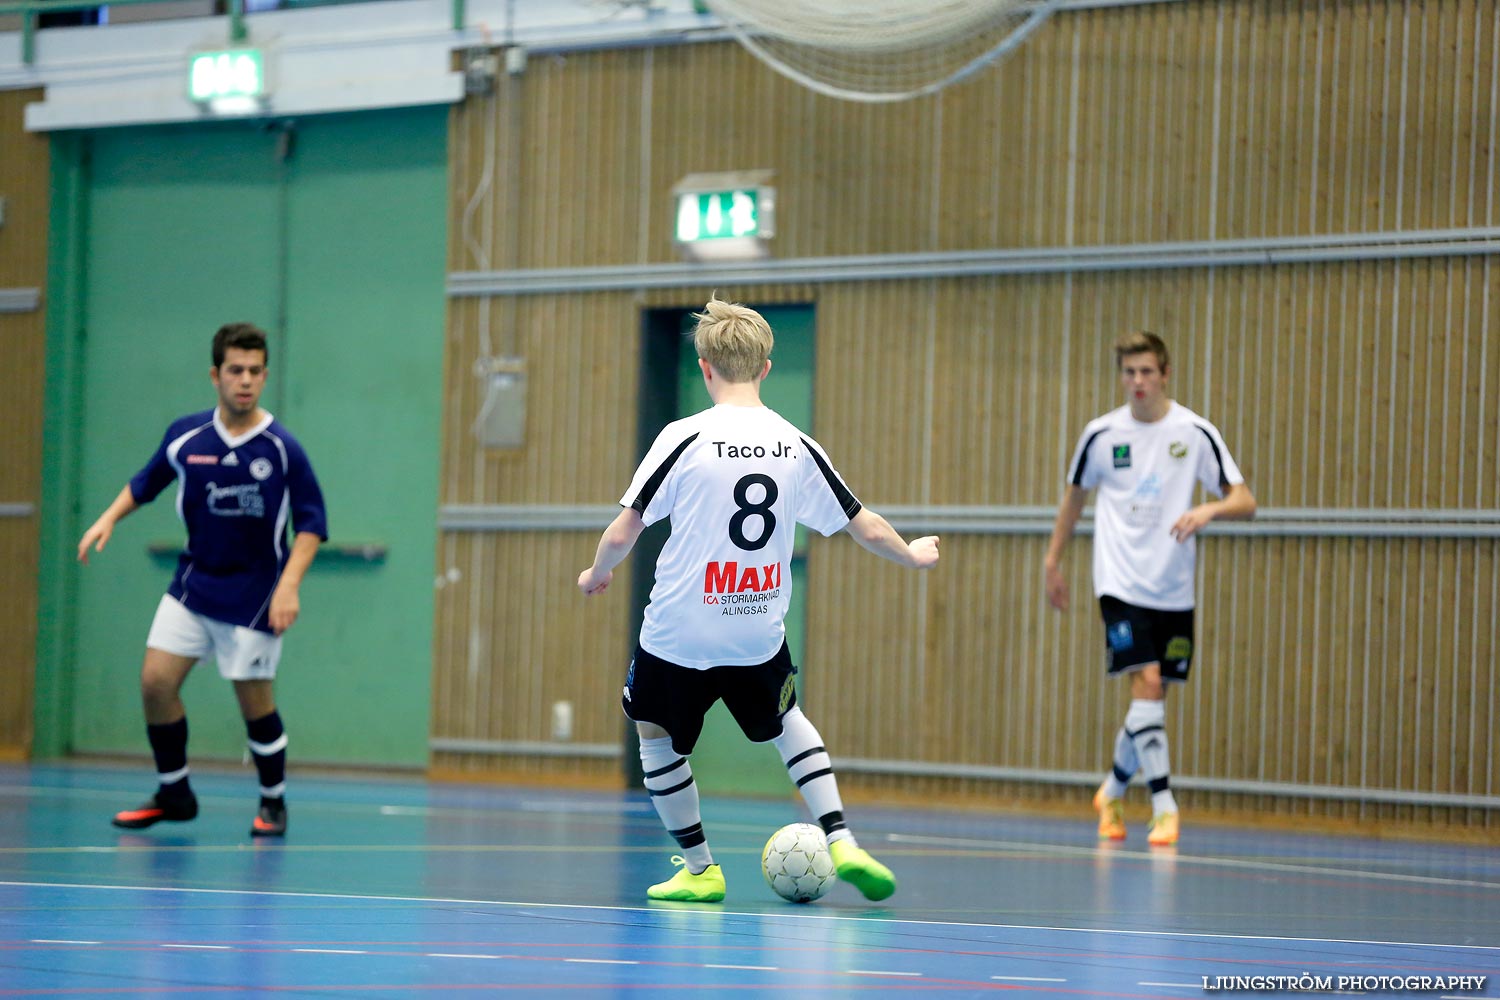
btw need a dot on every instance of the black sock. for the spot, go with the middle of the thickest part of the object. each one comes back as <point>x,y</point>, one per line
<point>268,748</point>
<point>169,747</point>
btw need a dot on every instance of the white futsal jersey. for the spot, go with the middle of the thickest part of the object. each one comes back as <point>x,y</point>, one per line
<point>735,481</point>
<point>1145,474</point>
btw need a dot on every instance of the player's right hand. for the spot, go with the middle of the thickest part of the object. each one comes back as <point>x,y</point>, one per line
<point>591,583</point>
<point>97,535</point>
<point>924,552</point>
<point>1057,589</point>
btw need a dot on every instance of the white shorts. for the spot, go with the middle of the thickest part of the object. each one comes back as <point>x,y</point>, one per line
<point>243,654</point>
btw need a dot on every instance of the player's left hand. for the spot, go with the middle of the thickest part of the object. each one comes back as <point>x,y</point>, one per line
<point>1188,524</point>
<point>285,606</point>
<point>592,583</point>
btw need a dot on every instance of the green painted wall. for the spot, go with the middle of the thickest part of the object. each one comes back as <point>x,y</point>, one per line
<point>338,250</point>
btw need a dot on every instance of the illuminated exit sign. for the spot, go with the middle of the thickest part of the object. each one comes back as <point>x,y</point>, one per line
<point>728,216</point>
<point>717,215</point>
<point>233,79</point>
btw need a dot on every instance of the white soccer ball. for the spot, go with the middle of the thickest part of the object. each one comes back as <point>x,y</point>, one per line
<point>797,864</point>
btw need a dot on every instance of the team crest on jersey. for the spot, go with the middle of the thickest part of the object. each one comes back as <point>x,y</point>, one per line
<point>1177,449</point>
<point>1121,454</point>
<point>261,468</point>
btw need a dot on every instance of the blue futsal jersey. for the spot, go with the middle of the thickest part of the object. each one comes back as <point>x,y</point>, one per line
<point>236,494</point>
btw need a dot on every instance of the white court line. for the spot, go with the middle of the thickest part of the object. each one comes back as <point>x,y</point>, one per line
<point>59,941</point>
<point>239,849</point>
<point>200,947</point>
<point>1018,847</point>
<point>882,920</point>
<point>877,972</point>
<point>329,951</point>
<point>602,961</point>
<point>746,968</point>
<point>1178,859</point>
<point>584,806</point>
<point>1029,979</point>
<point>1185,986</point>
<point>571,806</point>
<point>568,808</point>
<point>441,954</point>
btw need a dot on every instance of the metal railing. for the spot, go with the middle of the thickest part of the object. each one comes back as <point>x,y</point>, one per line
<point>31,10</point>
<point>958,519</point>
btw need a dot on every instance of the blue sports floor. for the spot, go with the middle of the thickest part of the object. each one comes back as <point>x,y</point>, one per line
<point>400,888</point>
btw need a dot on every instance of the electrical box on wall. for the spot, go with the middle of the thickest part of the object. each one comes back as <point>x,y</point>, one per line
<point>502,411</point>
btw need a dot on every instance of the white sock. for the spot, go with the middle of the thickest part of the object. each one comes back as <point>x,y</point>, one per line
<point>811,770</point>
<point>1126,763</point>
<point>669,779</point>
<point>1146,723</point>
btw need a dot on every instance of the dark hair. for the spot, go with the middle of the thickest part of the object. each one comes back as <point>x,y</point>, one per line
<point>245,336</point>
<point>1142,342</point>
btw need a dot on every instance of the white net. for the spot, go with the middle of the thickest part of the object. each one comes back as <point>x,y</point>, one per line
<point>880,50</point>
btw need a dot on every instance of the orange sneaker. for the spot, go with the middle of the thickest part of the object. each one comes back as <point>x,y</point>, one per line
<point>1163,830</point>
<point>270,818</point>
<point>174,808</point>
<point>1111,816</point>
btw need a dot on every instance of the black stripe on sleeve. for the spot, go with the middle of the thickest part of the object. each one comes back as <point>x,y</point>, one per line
<point>841,492</point>
<point>1083,458</point>
<point>1223,479</point>
<point>648,492</point>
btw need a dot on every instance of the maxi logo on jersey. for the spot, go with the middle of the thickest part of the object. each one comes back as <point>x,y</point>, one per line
<point>744,591</point>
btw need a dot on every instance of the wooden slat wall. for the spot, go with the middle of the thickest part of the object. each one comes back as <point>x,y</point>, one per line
<point>1365,384</point>
<point>1138,124</point>
<point>1370,662</point>
<point>23,264</point>
<point>511,635</point>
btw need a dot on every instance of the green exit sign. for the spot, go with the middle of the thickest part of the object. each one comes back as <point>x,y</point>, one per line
<point>724,216</point>
<point>717,215</point>
<point>233,75</point>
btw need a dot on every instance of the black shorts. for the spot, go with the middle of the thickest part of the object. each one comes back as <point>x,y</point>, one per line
<point>1135,636</point>
<point>677,698</point>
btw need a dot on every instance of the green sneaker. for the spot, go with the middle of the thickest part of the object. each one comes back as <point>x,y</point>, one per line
<point>856,867</point>
<point>685,887</point>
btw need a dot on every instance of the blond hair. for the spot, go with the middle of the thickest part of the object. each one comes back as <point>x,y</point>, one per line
<point>735,339</point>
<point>1142,342</point>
